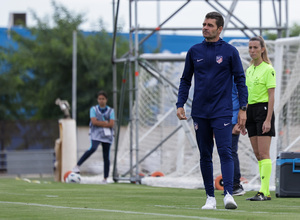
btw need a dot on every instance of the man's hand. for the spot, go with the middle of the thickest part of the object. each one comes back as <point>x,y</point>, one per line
<point>181,114</point>
<point>236,130</point>
<point>242,117</point>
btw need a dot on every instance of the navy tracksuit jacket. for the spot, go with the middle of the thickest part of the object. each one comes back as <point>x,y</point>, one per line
<point>212,64</point>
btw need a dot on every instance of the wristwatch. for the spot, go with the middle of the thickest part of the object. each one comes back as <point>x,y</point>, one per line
<point>243,108</point>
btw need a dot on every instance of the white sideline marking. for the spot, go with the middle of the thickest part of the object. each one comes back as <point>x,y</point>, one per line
<point>231,210</point>
<point>108,210</point>
<point>51,196</point>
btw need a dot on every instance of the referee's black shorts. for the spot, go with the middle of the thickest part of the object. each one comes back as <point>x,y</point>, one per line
<point>256,115</point>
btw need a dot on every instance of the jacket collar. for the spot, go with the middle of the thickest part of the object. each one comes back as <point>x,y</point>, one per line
<point>220,41</point>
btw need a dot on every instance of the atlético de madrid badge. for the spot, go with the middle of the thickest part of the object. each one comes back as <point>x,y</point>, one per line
<point>219,59</point>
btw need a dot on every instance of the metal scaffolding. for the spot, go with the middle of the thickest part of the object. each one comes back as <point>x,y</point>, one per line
<point>279,9</point>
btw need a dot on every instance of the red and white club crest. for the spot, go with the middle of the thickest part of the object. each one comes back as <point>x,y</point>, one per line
<point>219,59</point>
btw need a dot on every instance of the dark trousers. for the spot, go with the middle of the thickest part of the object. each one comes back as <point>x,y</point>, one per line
<point>105,153</point>
<point>235,157</point>
<point>221,128</point>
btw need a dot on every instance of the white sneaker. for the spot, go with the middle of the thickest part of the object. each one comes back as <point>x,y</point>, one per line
<point>103,181</point>
<point>210,203</point>
<point>229,202</point>
<point>76,169</point>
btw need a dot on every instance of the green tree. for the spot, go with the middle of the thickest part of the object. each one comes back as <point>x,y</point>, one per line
<point>40,69</point>
<point>294,32</point>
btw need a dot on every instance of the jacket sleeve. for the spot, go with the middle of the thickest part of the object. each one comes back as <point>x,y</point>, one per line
<point>185,80</point>
<point>239,78</point>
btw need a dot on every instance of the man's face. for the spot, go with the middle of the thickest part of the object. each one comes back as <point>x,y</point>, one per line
<point>102,101</point>
<point>210,30</point>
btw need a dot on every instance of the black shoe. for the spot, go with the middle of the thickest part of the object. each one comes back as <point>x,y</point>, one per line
<point>238,190</point>
<point>269,197</point>
<point>258,197</point>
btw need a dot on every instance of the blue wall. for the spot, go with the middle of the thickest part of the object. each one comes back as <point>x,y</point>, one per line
<point>172,43</point>
<point>5,39</point>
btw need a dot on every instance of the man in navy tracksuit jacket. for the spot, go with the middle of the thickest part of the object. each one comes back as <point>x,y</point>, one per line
<point>213,63</point>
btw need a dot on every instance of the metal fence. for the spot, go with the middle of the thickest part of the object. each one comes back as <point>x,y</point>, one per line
<point>27,147</point>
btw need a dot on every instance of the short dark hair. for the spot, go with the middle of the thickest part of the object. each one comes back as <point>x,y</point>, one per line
<point>215,15</point>
<point>102,93</point>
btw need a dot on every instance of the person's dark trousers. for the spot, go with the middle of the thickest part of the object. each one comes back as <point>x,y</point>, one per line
<point>235,157</point>
<point>105,152</point>
<point>221,129</point>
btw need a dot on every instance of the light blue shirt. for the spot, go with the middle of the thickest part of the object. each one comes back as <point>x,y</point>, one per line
<point>98,133</point>
<point>93,112</point>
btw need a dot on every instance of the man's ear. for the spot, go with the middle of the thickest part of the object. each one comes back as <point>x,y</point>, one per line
<point>220,29</point>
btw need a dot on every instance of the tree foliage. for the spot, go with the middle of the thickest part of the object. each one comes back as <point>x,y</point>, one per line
<point>294,32</point>
<point>39,70</point>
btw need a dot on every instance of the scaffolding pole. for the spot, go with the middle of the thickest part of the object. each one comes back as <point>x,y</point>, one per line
<point>132,57</point>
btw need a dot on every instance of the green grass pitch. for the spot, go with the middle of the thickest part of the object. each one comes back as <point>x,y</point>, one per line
<point>51,200</point>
